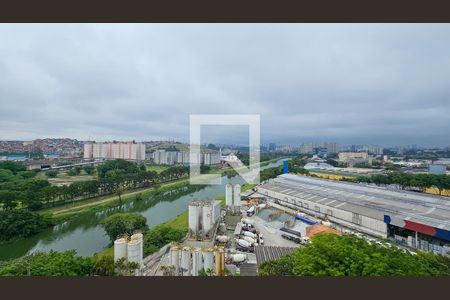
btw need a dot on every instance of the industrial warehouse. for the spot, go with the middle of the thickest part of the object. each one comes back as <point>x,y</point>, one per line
<point>413,219</point>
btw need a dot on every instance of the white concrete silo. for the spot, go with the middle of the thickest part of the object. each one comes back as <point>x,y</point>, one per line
<point>135,249</point>
<point>175,258</point>
<point>197,261</point>
<point>208,260</point>
<point>195,213</point>
<point>120,249</point>
<point>207,218</point>
<point>186,261</point>
<point>237,195</point>
<point>216,211</point>
<point>229,195</point>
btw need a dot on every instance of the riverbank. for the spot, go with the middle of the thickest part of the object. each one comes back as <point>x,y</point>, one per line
<point>64,212</point>
<point>61,213</point>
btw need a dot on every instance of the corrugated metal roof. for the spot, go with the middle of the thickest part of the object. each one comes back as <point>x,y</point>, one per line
<point>365,200</point>
<point>266,253</point>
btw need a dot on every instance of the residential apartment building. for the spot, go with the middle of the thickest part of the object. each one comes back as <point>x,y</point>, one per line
<point>114,150</point>
<point>163,157</point>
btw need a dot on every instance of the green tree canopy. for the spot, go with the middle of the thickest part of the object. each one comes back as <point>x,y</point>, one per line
<point>333,255</point>
<point>124,223</point>
<point>21,223</point>
<point>49,264</point>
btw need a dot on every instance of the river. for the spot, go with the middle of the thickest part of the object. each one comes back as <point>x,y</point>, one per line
<point>84,233</point>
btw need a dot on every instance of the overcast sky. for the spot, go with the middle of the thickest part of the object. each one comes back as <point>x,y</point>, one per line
<point>384,84</point>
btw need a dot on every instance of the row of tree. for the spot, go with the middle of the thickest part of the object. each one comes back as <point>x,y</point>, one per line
<point>112,177</point>
<point>407,181</point>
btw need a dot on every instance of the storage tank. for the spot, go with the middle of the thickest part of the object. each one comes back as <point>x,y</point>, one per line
<point>237,195</point>
<point>208,259</point>
<point>120,249</point>
<point>249,239</point>
<point>216,211</point>
<point>197,261</point>
<point>139,237</point>
<point>134,251</point>
<point>175,258</point>
<point>229,195</point>
<point>220,259</point>
<point>239,257</point>
<point>249,234</point>
<point>195,212</point>
<point>222,238</point>
<point>186,261</point>
<point>207,221</point>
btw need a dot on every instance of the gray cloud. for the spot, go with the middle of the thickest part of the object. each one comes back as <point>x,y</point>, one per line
<point>377,83</point>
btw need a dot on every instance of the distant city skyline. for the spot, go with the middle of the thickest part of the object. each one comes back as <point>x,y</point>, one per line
<point>385,84</point>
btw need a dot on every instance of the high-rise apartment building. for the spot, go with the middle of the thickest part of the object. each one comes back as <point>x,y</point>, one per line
<point>114,150</point>
<point>163,157</point>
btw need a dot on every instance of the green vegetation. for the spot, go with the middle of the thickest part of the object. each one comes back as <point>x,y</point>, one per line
<point>124,223</point>
<point>65,263</point>
<point>157,168</point>
<point>161,235</point>
<point>294,165</point>
<point>49,264</point>
<point>113,177</point>
<point>244,157</point>
<point>51,174</point>
<point>333,255</point>
<point>21,223</point>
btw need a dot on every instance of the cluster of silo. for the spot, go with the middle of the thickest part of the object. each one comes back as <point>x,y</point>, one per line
<point>131,249</point>
<point>233,196</point>
<point>188,261</point>
<point>203,215</point>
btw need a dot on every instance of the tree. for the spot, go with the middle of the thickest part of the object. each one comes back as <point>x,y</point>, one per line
<point>49,264</point>
<point>21,223</point>
<point>51,173</point>
<point>89,169</point>
<point>8,199</point>
<point>333,255</point>
<point>13,166</point>
<point>159,236</point>
<point>124,223</point>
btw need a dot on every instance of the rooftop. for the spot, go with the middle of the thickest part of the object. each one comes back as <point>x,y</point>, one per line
<point>366,200</point>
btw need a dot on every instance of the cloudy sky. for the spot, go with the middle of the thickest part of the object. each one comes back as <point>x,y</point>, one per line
<point>384,84</point>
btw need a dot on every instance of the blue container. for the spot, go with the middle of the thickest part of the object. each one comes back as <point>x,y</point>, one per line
<point>285,167</point>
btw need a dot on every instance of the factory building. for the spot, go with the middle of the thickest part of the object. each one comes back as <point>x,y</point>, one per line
<point>415,220</point>
<point>114,150</point>
<point>355,157</point>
